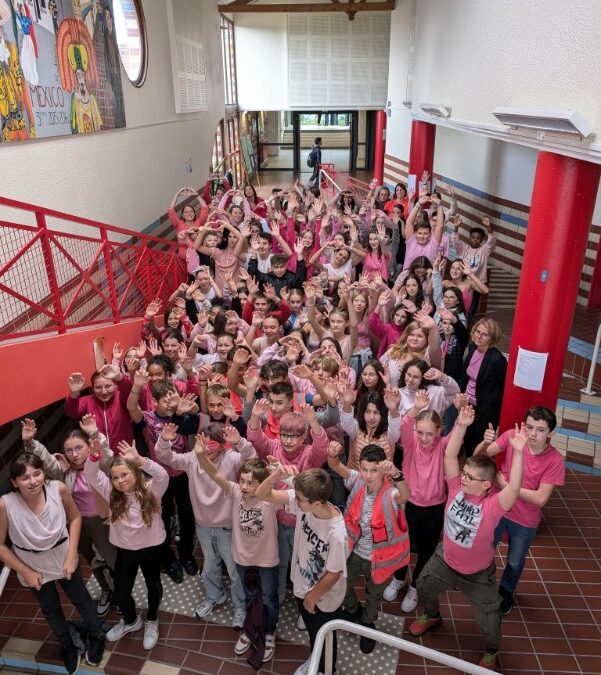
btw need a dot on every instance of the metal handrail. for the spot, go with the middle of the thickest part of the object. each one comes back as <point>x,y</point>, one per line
<point>324,174</point>
<point>591,373</point>
<point>326,635</point>
<point>4,578</point>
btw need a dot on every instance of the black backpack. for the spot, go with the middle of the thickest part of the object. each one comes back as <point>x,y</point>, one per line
<point>312,158</point>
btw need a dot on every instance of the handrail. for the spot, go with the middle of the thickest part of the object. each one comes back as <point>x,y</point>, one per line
<point>55,281</point>
<point>326,635</point>
<point>591,373</point>
<point>324,174</point>
<point>6,570</point>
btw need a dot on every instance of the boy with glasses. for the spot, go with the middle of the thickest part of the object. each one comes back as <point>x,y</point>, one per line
<point>544,468</point>
<point>465,558</point>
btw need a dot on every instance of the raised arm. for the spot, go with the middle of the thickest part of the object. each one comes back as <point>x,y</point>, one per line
<point>510,493</point>
<point>201,450</point>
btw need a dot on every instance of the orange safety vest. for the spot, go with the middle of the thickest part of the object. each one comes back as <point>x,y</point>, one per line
<point>390,550</point>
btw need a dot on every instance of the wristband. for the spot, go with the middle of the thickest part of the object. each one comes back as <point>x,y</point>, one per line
<point>398,478</point>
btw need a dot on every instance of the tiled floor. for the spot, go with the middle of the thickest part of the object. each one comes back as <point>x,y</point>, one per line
<point>555,628</point>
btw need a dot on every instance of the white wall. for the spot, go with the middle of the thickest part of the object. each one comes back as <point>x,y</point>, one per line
<point>127,176</point>
<point>261,61</point>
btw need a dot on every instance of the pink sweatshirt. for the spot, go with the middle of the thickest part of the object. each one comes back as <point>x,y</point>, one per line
<point>131,533</point>
<point>386,333</point>
<point>211,508</point>
<point>307,457</point>
<point>112,418</point>
<point>423,468</point>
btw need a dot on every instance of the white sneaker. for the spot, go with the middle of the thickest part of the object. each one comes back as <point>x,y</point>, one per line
<point>242,645</point>
<point>120,629</point>
<point>300,623</point>
<point>269,647</point>
<point>238,620</point>
<point>392,590</point>
<point>151,634</point>
<point>410,600</point>
<point>206,607</point>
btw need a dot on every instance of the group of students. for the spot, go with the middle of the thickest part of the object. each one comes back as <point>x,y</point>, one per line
<point>302,410</point>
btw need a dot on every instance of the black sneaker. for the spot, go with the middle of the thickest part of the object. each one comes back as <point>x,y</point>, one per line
<point>71,657</point>
<point>175,571</point>
<point>367,645</point>
<point>354,617</point>
<point>507,601</point>
<point>95,650</point>
<point>190,567</point>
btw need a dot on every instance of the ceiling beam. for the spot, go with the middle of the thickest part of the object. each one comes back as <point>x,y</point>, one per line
<point>240,6</point>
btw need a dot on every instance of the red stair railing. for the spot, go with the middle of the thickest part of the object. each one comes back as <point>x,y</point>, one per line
<point>77,273</point>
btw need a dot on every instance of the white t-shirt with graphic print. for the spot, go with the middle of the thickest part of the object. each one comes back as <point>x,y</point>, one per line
<point>320,546</point>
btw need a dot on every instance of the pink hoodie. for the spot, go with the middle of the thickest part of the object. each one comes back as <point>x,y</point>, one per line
<point>307,457</point>
<point>211,507</point>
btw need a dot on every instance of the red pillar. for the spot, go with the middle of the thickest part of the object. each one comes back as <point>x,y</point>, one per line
<point>421,152</point>
<point>379,146</point>
<point>563,199</point>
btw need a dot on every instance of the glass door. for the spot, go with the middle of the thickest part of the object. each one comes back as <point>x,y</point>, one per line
<point>336,132</point>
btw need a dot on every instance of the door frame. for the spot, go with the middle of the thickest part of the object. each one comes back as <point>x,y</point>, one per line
<point>353,131</point>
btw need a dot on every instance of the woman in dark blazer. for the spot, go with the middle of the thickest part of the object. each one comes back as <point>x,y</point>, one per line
<point>483,379</point>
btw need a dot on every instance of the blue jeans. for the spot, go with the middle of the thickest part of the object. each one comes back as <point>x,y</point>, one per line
<point>520,538</point>
<point>216,545</point>
<point>285,544</point>
<point>269,594</point>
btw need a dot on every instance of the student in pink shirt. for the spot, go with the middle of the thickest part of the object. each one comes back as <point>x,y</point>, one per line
<point>212,511</point>
<point>137,531</point>
<point>544,468</point>
<point>290,448</point>
<point>254,540</point>
<point>420,239</point>
<point>465,558</point>
<point>423,456</point>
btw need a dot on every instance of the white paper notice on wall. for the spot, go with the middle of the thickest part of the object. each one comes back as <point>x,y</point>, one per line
<point>411,183</point>
<point>530,369</point>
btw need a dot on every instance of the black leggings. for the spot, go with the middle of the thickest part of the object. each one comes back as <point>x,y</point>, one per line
<point>126,568</point>
<point>425,527</point>
<point>177,496</point>
<point>50,604</point>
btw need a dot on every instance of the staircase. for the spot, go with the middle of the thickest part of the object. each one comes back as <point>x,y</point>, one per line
<point>503,288</point>
<point>578,433</point>
<point>69,279</point>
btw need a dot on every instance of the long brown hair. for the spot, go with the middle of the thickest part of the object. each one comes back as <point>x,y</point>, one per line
<point>149,504</point>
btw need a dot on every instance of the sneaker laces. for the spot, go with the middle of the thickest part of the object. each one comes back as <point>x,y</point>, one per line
<point>489,658</point>
<point>422,619</point>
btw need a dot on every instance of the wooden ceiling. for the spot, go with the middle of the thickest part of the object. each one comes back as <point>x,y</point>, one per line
<point>349,7</point>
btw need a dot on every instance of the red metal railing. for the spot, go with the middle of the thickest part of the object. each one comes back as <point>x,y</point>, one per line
<point>85,273</point>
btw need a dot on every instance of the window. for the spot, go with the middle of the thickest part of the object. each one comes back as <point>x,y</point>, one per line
<point>228,51</point>
<point>130,28</point>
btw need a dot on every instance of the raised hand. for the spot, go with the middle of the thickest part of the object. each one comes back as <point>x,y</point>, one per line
<point>76,383</point>
<point>88,424</point>
<point>490,435</point>
<point>388,468</point>
<point>227,407</point>
<point>384,298</point>
<point>424,320</point>
<point>141,378</point>
<point>303,371</point>
<point>422,400</point>
<point>298,248</point>
<point>169,432</point>
<point>460,401</point>
<point>129,452</point>
<point>409,305</point>
<point>251,379</point>
<point>284,293</point>
<point>519,438</point>
<point>260,407</point>
<point>186,404</point>
<point>200,446</point>
<point>270,292</point>
<point>307,411</point>
<point>392,399</point>
<point>232,435</point>
<point>141,350</point>
<point>433,374</point>
<point>486,222</point>
<point>117,351</point>
<point>334,449</point>
<point>241,356</point>
<point>181,351</point>
<point>466,416</point>
<point>153,308</point>
<point>153,347</point>
<point>348,395</point>
<point>28,430</point>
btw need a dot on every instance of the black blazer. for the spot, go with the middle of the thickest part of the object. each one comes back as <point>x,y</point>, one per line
<point>490,381</point>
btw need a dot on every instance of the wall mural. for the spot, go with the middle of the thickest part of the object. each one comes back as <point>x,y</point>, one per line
<point>59,69</point>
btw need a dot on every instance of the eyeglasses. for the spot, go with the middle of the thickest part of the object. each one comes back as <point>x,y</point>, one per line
<point>288,437</point>
<point>74,451</point>
<point>469,478</point>
<point>479,333</point>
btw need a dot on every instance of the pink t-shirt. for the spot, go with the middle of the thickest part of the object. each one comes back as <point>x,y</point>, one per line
<point>84,498</point>
<point>472,372</point>
<point>255,530</point>
<point>548,467</point>
<point>373,264</point>
<point>469,527</point>
<point>225,261</point>
<point>423,468</point>
<point>415,250</point>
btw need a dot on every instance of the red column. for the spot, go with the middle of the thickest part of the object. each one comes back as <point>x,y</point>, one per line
<point>421,152</point>
<point>563,199</point>
<point>379,146</point>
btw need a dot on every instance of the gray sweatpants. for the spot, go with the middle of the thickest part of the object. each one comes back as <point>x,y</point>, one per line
<point>480,589</point>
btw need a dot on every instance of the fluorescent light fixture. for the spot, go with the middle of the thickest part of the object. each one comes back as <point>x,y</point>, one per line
<point>559,120</point>
<point>435,109</point>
